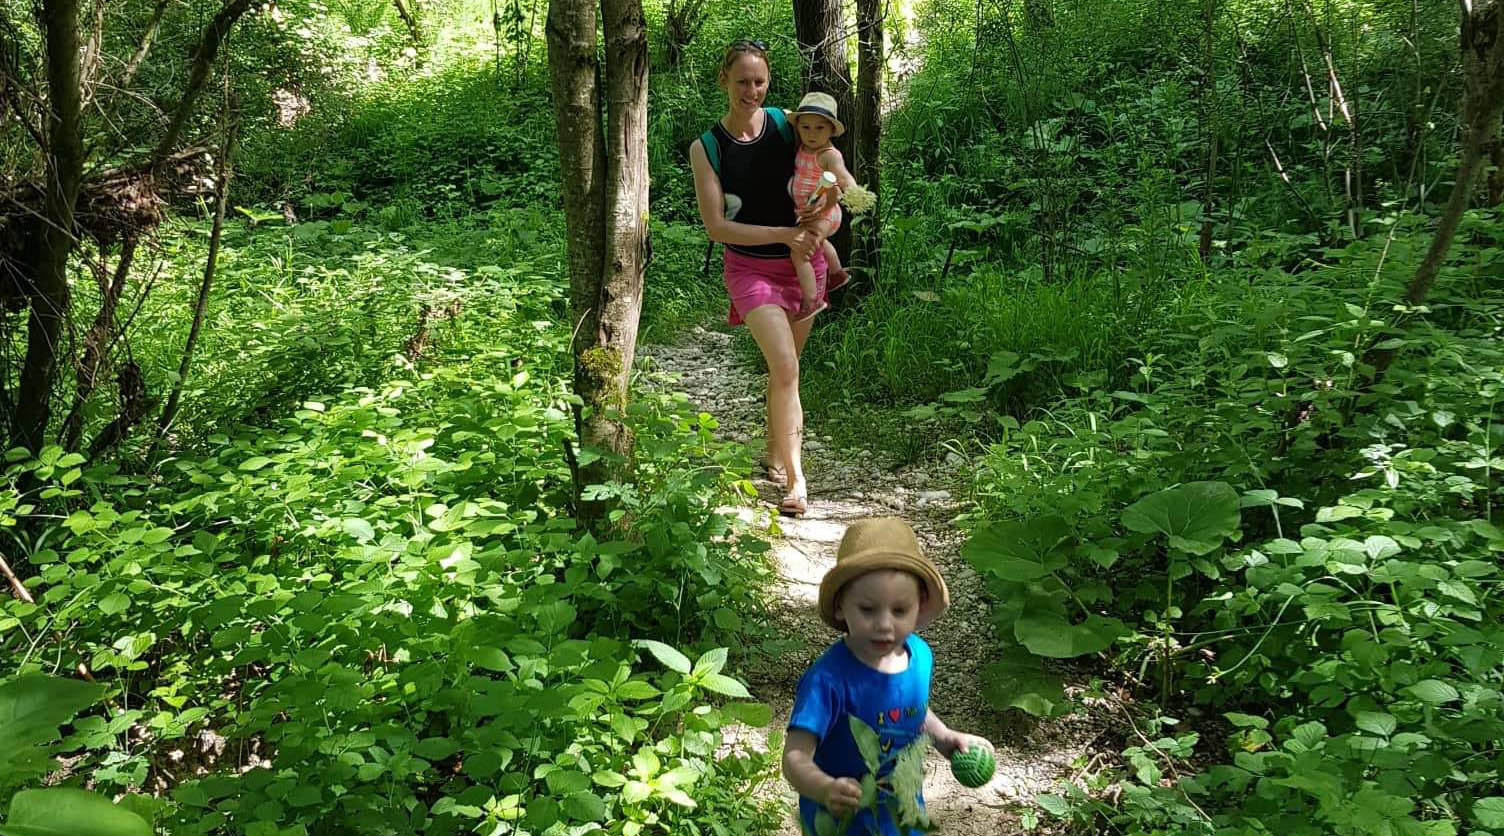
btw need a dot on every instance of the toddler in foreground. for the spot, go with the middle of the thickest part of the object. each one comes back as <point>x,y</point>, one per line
<point>881,589</point>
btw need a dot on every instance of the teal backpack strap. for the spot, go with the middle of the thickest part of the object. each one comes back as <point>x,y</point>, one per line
<point>712,151</point>
<point>782,122</point>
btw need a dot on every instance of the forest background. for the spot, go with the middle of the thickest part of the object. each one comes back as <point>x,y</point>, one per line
<point>1201,296</point>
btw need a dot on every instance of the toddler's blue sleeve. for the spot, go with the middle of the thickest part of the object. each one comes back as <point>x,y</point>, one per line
<point>815,704</point>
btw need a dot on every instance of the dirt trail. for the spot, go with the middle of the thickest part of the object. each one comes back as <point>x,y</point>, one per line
<point>845,485</point>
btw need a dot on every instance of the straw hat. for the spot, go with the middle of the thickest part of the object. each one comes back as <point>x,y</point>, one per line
<point>882,543</point>
<point>821,104</point>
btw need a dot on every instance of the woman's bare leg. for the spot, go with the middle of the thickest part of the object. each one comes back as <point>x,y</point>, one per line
<point>780,343</point>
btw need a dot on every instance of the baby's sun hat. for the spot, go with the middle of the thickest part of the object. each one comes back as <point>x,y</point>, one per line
<point>882,543</point>
<point>821,104</point>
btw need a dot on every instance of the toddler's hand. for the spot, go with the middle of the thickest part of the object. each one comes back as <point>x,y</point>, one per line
<point>842,796</point>
<point>962,742</point>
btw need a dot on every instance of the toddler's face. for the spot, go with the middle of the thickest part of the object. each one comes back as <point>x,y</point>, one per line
<point>814,131</point>
<point>880,610</point>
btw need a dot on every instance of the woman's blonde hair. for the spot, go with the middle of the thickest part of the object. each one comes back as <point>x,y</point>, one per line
<point>737,50</point>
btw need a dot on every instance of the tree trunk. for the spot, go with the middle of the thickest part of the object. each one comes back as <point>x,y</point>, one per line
<point>821,32</point>
<point>619,297</point>
<point>144,48</point>
<point>210,41</point>
<point>1208,95</point>
<point>1482,107</point>
<point>606,209</point>
<point>866,124</point>
<point>1496,176</point>
<point>65,161</point>
<point>97,347</point>
<point>222,196</point>
<point>414,31</point>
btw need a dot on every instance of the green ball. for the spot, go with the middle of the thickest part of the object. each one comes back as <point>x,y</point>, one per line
<point>974,767</point>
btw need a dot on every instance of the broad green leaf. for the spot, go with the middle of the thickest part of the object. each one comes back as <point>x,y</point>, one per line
<point>1377,722</point>
<point>359,529</point>
<point>584,806</point>
<point>492,659</point>
<point>1020,681</point>
<point>1053,804</point>
<point>435,748</point>
<point>1196,516</point>
<point>1050,634</point>
<point>671,658</point>
<point>711,662</point>
<point>608,778</point>
<point>1489,812</point>
<point>1432,691</point>
<point>33,706</point>
<point>867,742</point>
<point>636,689</point>
<point>114,603</point>
<point>646,763</point>
<point>1246,721</point>
<point>754,714</point>
<point>565,781</point>
<point>1018,551</point>
<point>636,792</point>
<point>722,684</point>
<point>69,812</point>
<point>255,463</point>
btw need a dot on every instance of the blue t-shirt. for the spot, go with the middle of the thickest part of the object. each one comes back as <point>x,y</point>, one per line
<point>895,704</point>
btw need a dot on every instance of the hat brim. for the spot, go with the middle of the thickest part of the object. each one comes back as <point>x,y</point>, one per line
<point>850,568</point>
<point>814,110</point>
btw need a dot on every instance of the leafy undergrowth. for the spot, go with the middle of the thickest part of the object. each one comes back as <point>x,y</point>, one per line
<point>377,597</point>
<point>1254,529</point>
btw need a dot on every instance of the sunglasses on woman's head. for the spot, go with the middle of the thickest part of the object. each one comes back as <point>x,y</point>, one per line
<point>743,45</point>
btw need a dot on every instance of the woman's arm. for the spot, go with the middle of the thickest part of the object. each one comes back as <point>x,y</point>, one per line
<point>712,205</point>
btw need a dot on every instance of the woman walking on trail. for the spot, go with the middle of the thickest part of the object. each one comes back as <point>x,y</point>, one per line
<point>741,188</point>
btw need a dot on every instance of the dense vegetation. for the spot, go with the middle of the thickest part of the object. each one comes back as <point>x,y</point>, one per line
<point>1144,267</point>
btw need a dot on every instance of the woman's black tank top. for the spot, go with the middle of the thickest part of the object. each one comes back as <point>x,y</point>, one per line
<point>758,172</point>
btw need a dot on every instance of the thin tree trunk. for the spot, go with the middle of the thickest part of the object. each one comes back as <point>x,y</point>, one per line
<point>867,126</point>
<point>144,48</point>
<point>821,32</point>
<point>222,179</point>
<point>1208,96</point>
<point>65,160</point>
<point>626,232</point>
<point>97,346</point>
<point>1496,176</point>
<point>89,63</point>
<point>1482,107</point>
<point>210,41</point>
<point>414,31</point>
<point>573,72</point>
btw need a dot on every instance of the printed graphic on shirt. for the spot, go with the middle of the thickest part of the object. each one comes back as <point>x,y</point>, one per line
<point>897,724</point>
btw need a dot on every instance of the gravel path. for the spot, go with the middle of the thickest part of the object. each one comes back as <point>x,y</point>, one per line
<point>846,485</point>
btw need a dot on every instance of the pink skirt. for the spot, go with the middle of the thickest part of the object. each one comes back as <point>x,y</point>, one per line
<point>753,282</point>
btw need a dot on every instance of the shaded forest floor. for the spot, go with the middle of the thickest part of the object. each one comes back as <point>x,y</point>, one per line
<point>848,484</point>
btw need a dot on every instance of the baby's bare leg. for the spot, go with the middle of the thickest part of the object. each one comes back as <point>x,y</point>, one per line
<point>807,287</point>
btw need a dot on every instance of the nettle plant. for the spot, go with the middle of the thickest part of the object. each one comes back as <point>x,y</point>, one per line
<point>891,785</point>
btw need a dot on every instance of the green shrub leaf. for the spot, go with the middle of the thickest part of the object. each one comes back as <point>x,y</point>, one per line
<point>1196,516</point>
<point>671,658</point>
<point>69,812</point>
